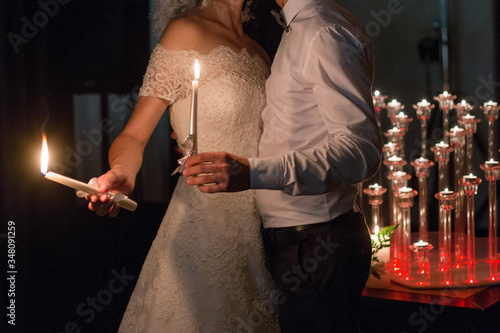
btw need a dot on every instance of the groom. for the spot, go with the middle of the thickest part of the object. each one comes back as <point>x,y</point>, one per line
<point>320,139</point>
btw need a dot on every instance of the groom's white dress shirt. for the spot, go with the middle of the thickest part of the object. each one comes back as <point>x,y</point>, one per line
<point>320,137</point>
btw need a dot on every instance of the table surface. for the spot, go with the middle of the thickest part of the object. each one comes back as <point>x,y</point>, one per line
<point>478,296</point>
<point>472,298</point>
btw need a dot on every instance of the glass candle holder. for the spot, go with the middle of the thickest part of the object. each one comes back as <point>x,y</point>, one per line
<point>390,149</point>
<point>423,274</point>
<point>491,113</point>
<point>492,174</point>
<point>422,171</point>
<point>445,104</point>
<point>463,108</point>
<point>378,105</point>
<point>423,109</point>
<point>405,197</point>
<point>442,156</point>
<point>447,200</point>
<point>397,180</point>
<point>375,194</point>
<point>396,135</point>
<point>469,123</point>
<point>401,121</point>
<point>393,108</point>
<point>470,184</point>
<point>457,141</point>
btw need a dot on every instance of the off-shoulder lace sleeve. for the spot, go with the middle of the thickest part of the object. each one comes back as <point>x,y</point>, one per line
<point>167,75</point>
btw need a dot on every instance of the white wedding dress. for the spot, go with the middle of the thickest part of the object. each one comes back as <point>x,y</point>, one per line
<point>205,270</point>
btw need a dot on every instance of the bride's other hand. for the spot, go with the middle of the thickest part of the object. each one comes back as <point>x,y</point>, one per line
<point>115,180</point>
<point>177,149</point>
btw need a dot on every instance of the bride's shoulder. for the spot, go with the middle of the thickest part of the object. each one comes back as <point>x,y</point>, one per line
<point>185,32</point>
<point>259,50</point>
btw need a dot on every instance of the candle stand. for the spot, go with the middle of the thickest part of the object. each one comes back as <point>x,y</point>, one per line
<point>393,108</point>
<point>405,197</point>
<point>442,155</point>
<point>375,195</point>
<point>446,205</point>
<point>470,184</point>
<point>445,104</point>
<point>463,109</point>
<point>421,249</point>
<point>396,135</point>
<point>378,104</point>
<point>492,174</point>
<point>491,113</point>
<point>457,141</point>
<point>423,109</point>
<point>422,171</point>
<point>461,262</point>
<point>397,180</point>
<point>401,121</point>
<point>393,164</point>
<point>390,149</point>
<point>469,123</point>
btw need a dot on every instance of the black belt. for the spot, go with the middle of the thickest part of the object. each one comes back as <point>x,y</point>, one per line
<point>295,234</point>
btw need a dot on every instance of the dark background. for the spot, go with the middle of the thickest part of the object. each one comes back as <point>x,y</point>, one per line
<point>65,255</point>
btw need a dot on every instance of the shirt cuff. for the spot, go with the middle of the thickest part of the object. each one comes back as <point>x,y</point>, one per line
<point>265,173</point>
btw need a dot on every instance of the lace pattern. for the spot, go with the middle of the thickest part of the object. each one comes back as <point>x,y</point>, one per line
<point>204,271</point>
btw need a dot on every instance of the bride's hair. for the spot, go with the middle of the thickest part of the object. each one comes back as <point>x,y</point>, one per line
<point>166,10</point>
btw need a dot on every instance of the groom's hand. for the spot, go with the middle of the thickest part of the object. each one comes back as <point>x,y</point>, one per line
<point>218,172</point>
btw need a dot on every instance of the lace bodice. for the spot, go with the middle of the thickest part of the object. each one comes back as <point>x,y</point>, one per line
<point>231,95</point>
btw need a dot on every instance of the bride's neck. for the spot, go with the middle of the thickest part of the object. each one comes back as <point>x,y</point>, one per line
<point>228,12</point>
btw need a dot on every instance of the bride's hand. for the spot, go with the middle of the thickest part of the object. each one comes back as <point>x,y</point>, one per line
<point>115,180</point>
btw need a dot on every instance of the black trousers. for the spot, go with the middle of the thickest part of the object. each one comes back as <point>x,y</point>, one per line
<point>321,271</point>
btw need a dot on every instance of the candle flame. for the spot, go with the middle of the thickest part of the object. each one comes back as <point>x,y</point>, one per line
<point>376,230</point>
<point>376,93</point>
<point>464,102</point>
<point>45,156</point>
<point>196,69</point>
<point>446,189</point>
<point>424,101</point>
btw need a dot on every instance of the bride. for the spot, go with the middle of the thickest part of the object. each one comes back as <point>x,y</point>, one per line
<point>204,271</point>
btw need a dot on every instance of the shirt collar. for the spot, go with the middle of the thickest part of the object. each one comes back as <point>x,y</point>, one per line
<point>292,8</point>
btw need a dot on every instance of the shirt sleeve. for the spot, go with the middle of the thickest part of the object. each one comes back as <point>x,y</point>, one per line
<point>339,69</point>
<point>166,75</point>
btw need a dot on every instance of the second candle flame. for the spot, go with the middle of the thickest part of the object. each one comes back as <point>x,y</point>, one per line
<point>196,69</point>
